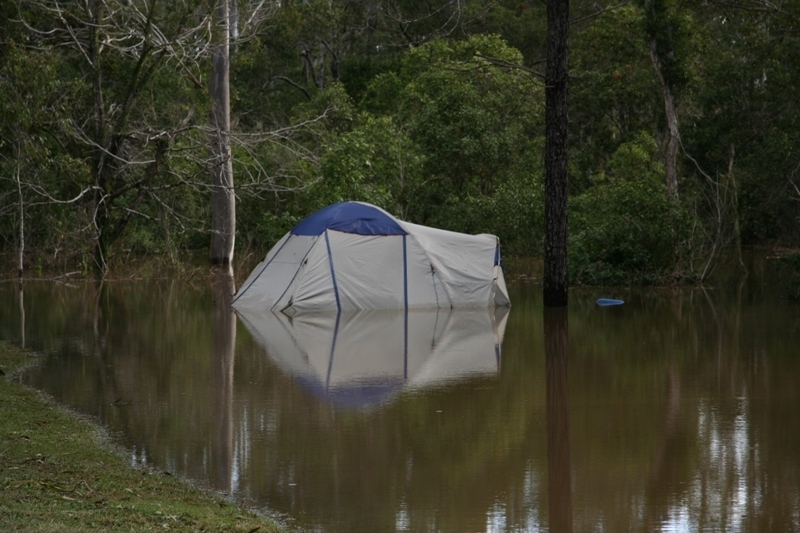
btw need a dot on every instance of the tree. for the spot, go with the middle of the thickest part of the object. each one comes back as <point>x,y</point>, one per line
<point>131,120</point>
<point>662,29</point>
<point>453,139</point>
<point>624,229</point>
<point>223,200</point>
<point>555,283</point>
<point>750,111</point>
<point>612,92</point>
<point>119,134</point>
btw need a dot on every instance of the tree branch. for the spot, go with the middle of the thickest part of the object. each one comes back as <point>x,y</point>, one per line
<point>507,64</point>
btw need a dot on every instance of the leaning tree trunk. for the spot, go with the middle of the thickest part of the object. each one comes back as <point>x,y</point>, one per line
<point>661,55</point>
<point>223,201</point>
<point>673,138</point>
<point>556,126</point>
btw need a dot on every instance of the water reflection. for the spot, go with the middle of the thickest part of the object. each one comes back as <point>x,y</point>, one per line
<point>364,358</point>
<point>674,412</point>
<point>21,296</point>
<point>222,365</point>
<point>559,480</point>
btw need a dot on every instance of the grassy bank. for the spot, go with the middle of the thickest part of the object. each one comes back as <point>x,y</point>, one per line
<point>59,473</point>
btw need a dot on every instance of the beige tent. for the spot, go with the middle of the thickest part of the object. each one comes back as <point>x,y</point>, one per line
<point>353,255</point>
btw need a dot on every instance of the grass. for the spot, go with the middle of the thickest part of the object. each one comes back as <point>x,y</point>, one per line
<point>61,473</point>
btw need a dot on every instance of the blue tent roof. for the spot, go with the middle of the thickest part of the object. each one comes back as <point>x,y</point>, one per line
<point>349,217</point>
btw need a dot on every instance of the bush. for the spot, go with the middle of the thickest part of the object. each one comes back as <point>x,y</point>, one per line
<point>515,213</point>
<point>624,230</point>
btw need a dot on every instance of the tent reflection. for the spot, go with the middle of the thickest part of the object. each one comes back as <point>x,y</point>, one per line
<point>364,358</point>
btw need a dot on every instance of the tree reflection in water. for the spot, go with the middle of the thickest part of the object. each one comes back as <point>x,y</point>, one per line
<point>559,480</point>
<point>679,411</point>
<point>223,355</point>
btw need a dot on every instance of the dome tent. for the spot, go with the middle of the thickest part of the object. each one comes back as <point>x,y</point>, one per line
<point>354,255</point>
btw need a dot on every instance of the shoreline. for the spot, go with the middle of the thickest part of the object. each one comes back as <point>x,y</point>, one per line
<point>60,471</point>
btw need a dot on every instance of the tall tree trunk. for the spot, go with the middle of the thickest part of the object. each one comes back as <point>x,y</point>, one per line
<point>99,159</point>
<point>737,232</point>
<point>673,137</point>
<point>556,156</point>
<point>671,144</point>
<point>223,201</point>
<point>21,255</point>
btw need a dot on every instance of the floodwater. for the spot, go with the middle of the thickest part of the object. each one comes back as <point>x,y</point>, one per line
<point>677,411</point>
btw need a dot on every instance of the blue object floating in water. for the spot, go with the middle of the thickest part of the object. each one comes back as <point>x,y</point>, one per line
<point>605,302</point>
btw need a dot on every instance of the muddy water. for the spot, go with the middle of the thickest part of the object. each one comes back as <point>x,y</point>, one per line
<point>676,411</point>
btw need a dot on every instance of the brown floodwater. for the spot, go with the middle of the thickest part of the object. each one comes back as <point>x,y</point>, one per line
<point>677,411</point>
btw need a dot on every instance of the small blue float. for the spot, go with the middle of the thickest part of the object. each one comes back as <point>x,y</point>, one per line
<point>605,302</point>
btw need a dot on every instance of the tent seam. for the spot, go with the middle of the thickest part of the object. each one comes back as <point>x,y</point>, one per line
<point>405,274</point>
<point>333,272</point>
<point>294,277</point>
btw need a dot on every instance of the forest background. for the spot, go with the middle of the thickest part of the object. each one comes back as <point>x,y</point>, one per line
<point>684,126</point>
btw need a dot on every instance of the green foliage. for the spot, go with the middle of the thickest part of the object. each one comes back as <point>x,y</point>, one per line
<point>474,122</point>
<point>624,230</point>
<point>744,122</point>
<point>430,111</point>
<point>359,72</point>
<point>670,29</point>
<point>375,162</point>
<point>515,213</point>
<point>34,106</point>
<point>523,24</point>
<point>104,138</point>
<point>614,93</point>
<point>449,139</point>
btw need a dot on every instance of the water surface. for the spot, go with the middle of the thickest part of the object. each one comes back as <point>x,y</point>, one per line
<point>676,411</point>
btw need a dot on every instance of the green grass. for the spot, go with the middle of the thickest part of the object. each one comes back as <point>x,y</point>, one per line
<point>59,473</point>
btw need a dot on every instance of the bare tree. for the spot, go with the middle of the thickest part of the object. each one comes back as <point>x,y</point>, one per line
<point>126,139</point>
<point>146,148</point>
<point>722,204</point>
<point>223,201</point>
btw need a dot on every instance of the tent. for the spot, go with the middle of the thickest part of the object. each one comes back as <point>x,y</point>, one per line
<point>354,255</point>
<point>364,359</point>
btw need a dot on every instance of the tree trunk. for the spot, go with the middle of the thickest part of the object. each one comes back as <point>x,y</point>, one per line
<point>673,137</point>
<point>670,111</point>
<point>223,201</point>
<point>556,155</point>
<point>737,232</point>
<point>671,152</point>
<point>21,256</point>
<point>99,158</point>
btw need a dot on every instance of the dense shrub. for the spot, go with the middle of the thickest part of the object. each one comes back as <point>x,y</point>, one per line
<point>624,230</point>
<point>515,213</point>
